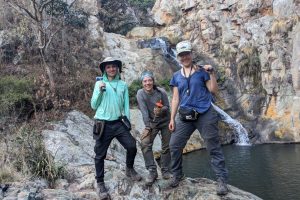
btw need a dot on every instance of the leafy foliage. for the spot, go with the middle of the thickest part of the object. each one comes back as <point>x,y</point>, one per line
<point>60,9</point>
<point>14,91</point>
<point>142,4</point>
<point>164,83</point>
<point>77,18</point>
<point>133,88</point>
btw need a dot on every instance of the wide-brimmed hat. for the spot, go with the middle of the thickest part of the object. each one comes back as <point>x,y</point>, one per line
<point>110,60</point>
<point>184,46</point>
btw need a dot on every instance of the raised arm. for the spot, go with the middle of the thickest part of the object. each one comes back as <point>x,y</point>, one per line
<point>97,96</point>
<point>211,84</point>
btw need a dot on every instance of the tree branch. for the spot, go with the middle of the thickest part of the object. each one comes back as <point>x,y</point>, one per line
<point>71,4</point>
<point>22,10</point>
<point>42,6</point>
<point>51,37</point>
<point>35,9</point>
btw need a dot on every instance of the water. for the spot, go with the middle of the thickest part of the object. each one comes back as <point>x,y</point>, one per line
<point>160,43</point>
<point>240,131</point>
<point>271,171</point>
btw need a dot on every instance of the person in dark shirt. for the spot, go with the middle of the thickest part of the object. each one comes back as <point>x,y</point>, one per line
<point>193,87</point>
<point>154,106</point>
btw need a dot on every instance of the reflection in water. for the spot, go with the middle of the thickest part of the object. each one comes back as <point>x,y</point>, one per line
<point>268,171</point>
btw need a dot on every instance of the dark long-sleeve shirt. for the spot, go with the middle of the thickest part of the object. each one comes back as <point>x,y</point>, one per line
<point>147,103</point>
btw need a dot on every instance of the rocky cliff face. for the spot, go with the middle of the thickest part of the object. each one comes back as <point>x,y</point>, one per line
<point>255,46</point>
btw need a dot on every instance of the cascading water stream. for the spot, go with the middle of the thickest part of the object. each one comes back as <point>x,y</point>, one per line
<point>160,43</point>
<point>241,132</point>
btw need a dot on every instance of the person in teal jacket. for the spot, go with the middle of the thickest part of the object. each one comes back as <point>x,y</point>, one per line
<point>110,100</point>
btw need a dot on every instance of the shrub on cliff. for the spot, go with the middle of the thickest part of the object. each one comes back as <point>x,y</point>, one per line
<point>31,157</point>
<point>132,90</point>
<point>15,95</point>
<point>142,4</point>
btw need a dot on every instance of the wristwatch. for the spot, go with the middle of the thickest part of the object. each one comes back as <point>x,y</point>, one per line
<point>211,70</point>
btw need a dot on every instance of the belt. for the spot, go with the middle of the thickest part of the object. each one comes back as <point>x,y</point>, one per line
<point>112,122</point>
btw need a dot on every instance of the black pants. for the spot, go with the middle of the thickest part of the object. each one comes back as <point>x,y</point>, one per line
<point>113,129</point>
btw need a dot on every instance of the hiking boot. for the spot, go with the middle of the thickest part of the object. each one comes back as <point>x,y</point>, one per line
<point>102,191</point>
<point>222,188</point>
<point>131,173</point>
<point>174,182</point>
<point>151,177</point>
<point>166,175</point>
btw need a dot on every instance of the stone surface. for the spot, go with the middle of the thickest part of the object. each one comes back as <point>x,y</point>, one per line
<point>164,12</point>
<point>141,32</point>
<point>295,65</point>
<point>283,8</point>
<point>76,127</point>
<point>136,60</point>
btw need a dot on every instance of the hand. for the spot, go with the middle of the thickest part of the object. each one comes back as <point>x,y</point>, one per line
<point>146,133</point>
<point>157,111</point>
<point>102,86</point>
<point>172,125</point>
<point>208,68</point>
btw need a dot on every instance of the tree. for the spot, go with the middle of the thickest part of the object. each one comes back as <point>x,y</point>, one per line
<point>47,18</point>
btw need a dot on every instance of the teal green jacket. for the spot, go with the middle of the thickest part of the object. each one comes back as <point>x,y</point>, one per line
<point>113,102</point>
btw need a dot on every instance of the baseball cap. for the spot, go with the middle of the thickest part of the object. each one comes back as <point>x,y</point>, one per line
<point>184,46</point>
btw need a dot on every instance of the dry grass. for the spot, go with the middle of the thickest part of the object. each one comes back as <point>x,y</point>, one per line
<point>249,65</point>
<point>228,53</point>
<point>25,154</point>
<point>279,27</point>
<point>9,174</point>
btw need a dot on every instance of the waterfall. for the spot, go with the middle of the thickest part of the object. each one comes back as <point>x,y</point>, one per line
<point>242,134</point>
<point>161,44</point>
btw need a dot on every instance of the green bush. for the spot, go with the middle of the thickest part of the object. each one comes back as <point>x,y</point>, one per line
<point>31,156</point>
<point>142,4</point>
<point>61,10</point>
<point>132,90</point>
<point>164,83</point>
<point>14,91</point>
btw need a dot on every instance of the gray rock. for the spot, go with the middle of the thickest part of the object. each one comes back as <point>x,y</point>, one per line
<point>283,8</point>
<point>296,59</point>
<point>71,140</point>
